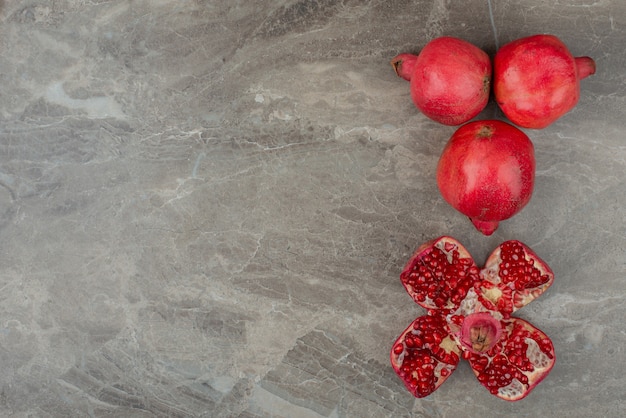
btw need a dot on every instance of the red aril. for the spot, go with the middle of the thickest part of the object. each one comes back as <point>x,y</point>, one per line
<point>487,171</point>
<point>537,80</point>
<point>450,79</point>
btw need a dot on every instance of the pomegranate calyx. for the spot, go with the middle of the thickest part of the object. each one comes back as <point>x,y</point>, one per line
<point>486,227</point>
<point>404,65</point>
<point>585,66</point>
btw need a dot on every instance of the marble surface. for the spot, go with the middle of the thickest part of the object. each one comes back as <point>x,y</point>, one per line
<point>205,207</point>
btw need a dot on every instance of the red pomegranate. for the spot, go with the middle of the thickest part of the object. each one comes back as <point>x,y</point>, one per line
<point>450,79</point>
<point>537,80</point>
<point>487,171</point>
<point>469,317</point>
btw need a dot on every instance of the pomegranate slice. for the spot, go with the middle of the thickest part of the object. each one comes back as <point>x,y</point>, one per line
<point>513,276</point>
<point>469,316</point>
<point>439,274</point>
<point>425,355</point>
<point>523,356</point>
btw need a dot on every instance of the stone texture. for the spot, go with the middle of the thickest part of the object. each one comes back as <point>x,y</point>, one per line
<point>205,207</point>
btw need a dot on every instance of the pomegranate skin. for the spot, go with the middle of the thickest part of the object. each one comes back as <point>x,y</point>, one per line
<point>487,172</point>
<point>537,80</point>
<point>450,79</point>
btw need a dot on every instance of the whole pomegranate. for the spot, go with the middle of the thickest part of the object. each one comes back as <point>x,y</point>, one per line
<point>450,79</point>
<point>537,80</point>
<point>487,171</point>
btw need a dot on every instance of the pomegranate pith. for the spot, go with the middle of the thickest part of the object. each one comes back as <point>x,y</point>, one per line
<point>508,355</point>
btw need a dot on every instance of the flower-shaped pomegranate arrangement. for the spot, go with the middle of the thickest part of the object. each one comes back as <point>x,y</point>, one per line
<point>469,316</point>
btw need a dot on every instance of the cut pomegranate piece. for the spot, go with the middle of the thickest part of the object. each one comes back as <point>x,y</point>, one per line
<point>513,276</point>
<point>469,316</point>
<point>517,363</point>
<point>439,274</point>
<point>425,355</point>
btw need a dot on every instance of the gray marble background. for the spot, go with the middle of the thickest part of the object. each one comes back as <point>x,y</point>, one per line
<point>205,207</point>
